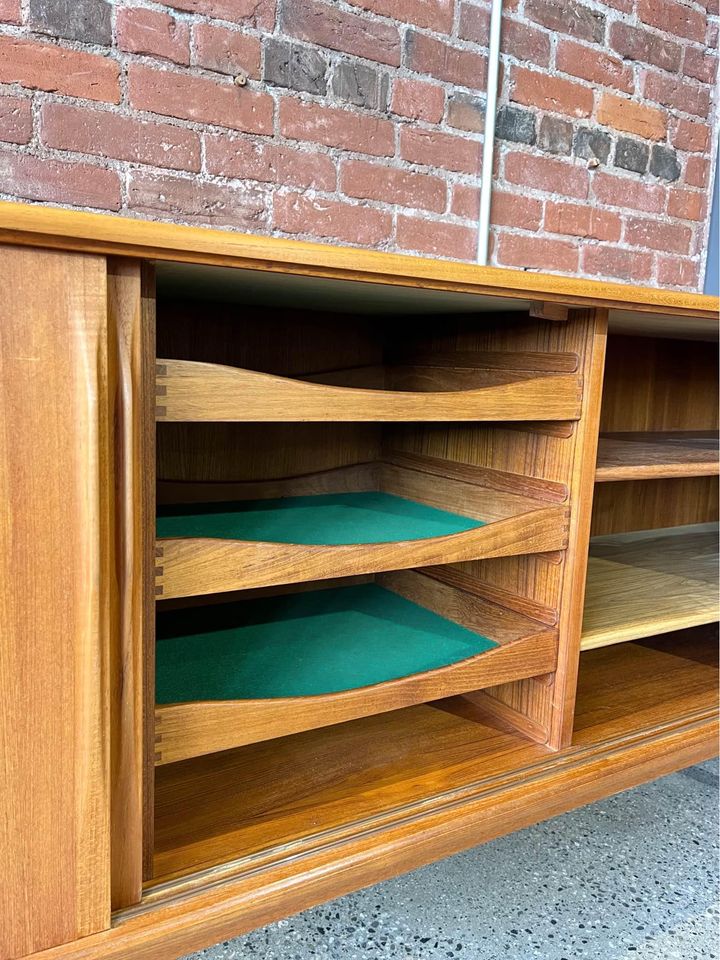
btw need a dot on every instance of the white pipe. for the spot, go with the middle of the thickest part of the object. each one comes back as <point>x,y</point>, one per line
<point>489,142</point>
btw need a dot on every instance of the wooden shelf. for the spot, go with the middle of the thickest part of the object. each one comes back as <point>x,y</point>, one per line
<point>345,522</point>
<point>434,778</point>
<point>651,582</point>
<point>233,674</point>
<point>647,456</point>
<point>193,391</point>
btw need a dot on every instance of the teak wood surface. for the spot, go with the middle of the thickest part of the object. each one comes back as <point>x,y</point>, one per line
<point>240,840</point>
<point>57,600</point>
<point>649,456</point>
<point>191,391</point>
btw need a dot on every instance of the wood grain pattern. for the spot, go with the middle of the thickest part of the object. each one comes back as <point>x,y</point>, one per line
<point>190,729</point>
<point>101,233</point>
<point>644,584</point>
<point>200,565</point>
<point>191,391</point>
<point>433,784</point>
<point>628,505</point>
<point>526,649</point>
<point>129,298</point>
<point>56,589</point>
<point>645,456</point>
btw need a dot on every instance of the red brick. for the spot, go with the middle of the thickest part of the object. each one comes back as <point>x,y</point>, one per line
<point>372,181</point>
<point>10,11</point>
<point>105,134</point>
<point>515,210</point>
<point>677,93</point>
<point>174,94</point>
<point>550,93</point>
<point>567,16</point>
<point>435,14</point>
<point>628,192</point>
<point>691,135</point>
<point>608,261</point>
<point>418,100</point>
<point>194,201</point>
<point>152,33</point>
<point>519,40</point>
<point>637,43</point>
<point>438,239</point>
<point>674,272</point>
<point>44,66</point>
<point>436,149</point>
<point>254,13</point>
<point>537,253</point>
<point>323,24</point>
<point>349,223</point>
<point>16,122</point>
<point>584,221</point>
<point>445,62</point>
<point>523,42</point>
<point>249,160</point>
<point>79,184</point>
<point>697,171</point>
<point>700,65</point>
<point>673,17</point>
<point>596,66</point>
<point>226,51</point>
<point>632,117</point>
<point>658,235</point>
<point>548,174</point>
<point>465,201</point>
<point>336,128</point>
<point>686,204</point>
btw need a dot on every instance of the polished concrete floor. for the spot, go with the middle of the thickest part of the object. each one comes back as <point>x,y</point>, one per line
<point>635,876</point>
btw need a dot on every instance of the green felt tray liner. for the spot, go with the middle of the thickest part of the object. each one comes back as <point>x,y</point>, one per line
<point>303,644</point>
<point>330,519</point>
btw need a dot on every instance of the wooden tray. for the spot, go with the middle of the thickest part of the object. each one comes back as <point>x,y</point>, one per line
<point>456,643</point>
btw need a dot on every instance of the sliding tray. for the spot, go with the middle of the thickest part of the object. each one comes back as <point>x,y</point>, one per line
<point>490,387</point>
<point>233,674</point>
<point>393,515</point>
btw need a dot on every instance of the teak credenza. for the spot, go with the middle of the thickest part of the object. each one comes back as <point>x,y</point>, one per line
<point>320,564</point>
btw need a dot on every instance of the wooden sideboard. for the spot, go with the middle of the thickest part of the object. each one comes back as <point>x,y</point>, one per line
<point>320,564</point>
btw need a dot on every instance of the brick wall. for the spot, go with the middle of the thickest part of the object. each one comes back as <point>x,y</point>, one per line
<point>361,122</point>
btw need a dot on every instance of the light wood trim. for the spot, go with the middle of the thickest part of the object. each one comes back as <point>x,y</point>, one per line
<point>191,566</point>
<point>192,391</point>
<point>191,729</point>
<point>650,456</point>
<point>38,225</point>
<point>56,592</point>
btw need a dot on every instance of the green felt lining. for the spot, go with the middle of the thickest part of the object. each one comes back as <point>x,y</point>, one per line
<point>303,644</point>
<point>330,519</point>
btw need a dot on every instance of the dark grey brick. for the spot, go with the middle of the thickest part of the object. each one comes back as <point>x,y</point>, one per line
<point>592,144</point>
<point>294,66</point>
<point>359,84</point>
<point>555,135</point>
<point>84,20</point>
<point>664,162</point>
<point>466,112</point>
<point>515,124</point>
<point>632,155</point>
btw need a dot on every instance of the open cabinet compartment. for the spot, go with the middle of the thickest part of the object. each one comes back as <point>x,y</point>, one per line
<point>653,564</point>
<point>243,812</point>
